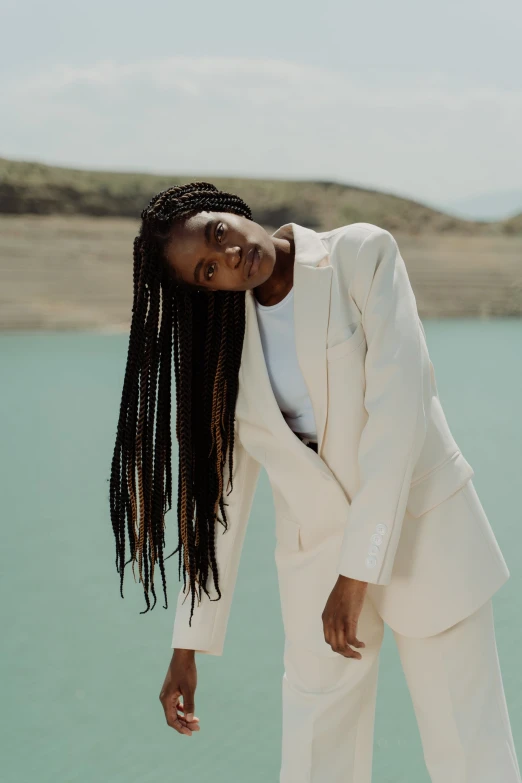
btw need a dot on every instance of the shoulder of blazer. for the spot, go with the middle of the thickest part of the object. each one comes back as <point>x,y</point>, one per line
<point>348,238</point>
<point>343,245</point>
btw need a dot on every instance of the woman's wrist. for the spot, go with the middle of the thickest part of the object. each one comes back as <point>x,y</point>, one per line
<point>181,652</point>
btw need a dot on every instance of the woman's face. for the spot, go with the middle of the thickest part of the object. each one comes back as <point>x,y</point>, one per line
<point>215,250</point>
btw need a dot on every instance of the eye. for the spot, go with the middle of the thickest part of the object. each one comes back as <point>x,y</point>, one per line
<point>217,228</point>
<point>210,266</point>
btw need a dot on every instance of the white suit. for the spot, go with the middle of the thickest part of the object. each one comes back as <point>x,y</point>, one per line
<point>388,499</point>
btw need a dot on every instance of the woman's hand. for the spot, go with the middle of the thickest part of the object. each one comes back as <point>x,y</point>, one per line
<point>341,614</point>
<point>181,680</point>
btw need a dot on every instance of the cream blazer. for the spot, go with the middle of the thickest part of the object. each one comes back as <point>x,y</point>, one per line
<point>387,463</point>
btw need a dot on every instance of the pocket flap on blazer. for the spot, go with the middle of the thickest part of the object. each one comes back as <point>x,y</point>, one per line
<point>347,343</point>
<point>439,484</point>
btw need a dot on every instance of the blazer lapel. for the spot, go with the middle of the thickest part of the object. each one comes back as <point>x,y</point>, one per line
<point>312,283</point>
<point>311,314</point>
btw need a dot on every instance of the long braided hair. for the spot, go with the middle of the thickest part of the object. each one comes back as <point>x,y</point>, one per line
<point>206,329</point>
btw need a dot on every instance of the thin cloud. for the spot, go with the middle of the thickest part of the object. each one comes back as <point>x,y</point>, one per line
<point>419,135</point>
<point>261,81</point>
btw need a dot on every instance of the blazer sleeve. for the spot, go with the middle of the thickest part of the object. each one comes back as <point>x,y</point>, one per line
<point>397,401</point>
<point>207,631</point>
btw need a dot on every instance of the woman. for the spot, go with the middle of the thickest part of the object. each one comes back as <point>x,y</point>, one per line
<point>303,352</point>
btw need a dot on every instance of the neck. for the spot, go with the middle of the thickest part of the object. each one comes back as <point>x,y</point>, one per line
<point>278,285</point>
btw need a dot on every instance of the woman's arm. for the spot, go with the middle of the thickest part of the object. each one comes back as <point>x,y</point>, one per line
<point>207,631</point>
<point>397,400</point>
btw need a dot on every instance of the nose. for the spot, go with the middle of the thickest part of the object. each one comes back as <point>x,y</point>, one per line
<point>233,256</point>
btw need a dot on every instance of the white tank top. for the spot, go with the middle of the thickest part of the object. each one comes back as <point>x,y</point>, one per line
<point>276,327</point>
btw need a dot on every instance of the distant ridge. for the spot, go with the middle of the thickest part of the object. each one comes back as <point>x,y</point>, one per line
<point>513,225</point>
<point>35,188</point>
<point>492,205</point>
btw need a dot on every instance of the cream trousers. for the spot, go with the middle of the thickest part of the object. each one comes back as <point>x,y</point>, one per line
<point>455,683</point>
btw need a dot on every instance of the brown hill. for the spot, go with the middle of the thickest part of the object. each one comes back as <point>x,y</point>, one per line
<point>35,188</point>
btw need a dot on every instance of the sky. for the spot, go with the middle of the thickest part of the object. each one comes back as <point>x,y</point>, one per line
<point>409,97</point>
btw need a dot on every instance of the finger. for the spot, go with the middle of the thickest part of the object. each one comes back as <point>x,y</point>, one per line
<point>182,709</point>
<point>346,651</point>
<point>353,640</point>
<point>170,704</point>
<point>169,701</point>
<point>188,727</point>
<point>175,721</point>
<point>188,704</point>
<point>348,639</point>
<point>350,653</point>
<point>351,633</point>
<point>330,637</point>
<point>335,636</point>
<point>180,727</point>
<point>192,725</point>
<point>340,640</point>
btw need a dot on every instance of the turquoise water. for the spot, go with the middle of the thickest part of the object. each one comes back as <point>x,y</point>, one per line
<point>82,669</point>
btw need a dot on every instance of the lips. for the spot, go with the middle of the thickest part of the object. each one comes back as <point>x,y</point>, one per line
<point>250,259</point>
<point>256,262</point>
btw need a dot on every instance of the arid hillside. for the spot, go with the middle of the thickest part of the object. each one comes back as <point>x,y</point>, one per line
<point>60,272</point>
<point>34,188</point>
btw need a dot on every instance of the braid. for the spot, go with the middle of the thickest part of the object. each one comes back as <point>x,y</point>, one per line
<point>203,336</point>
